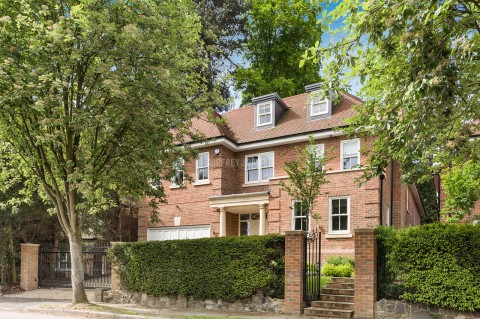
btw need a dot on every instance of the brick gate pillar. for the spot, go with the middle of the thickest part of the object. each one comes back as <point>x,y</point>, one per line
<point>115,280</point>
<point>365,273</point>
<point>29,266</point>
<point>294,271</point>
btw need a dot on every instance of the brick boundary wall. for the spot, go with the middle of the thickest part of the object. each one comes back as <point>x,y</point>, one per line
<point>29,266</point>
<point>294,271</point>
<point>365,273</point>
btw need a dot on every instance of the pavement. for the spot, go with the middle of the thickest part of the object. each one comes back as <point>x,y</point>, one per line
<point>56,302</point>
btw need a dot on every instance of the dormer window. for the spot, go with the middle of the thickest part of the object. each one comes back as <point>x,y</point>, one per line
<point>264,116</point>
<point>318,106</point>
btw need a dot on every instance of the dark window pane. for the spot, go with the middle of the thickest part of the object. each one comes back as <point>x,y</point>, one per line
<point>335,223</point>
<point>244,228</point>
<point>343,206</point>
<point>298,224</point>
<point>343,222</point>
<point>305,223</point>
<point>335,203</point>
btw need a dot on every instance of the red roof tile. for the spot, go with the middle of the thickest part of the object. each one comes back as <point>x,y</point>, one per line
<point>240,126</point>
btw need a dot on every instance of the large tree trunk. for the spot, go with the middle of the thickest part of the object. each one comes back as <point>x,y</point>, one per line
<point>76,256</point>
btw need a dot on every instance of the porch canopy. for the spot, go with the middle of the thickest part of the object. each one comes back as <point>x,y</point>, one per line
<point>239,204</point>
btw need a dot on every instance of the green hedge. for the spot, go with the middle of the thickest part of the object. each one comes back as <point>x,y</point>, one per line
<point>224,268</point>
<point>339,267</point>
<point>439,264</point>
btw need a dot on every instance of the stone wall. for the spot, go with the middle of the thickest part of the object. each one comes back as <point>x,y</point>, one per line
<point>257,303</point>
<point>396,309</point>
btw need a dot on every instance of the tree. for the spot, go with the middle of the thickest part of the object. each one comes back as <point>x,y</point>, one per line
<point>90,92</point>
<point>222,35</point>
<point>419,65</point>
<point>462,189</point>
<point>306,177</point>
<point>278,33</point>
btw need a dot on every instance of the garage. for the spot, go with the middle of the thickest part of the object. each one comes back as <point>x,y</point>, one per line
<point>183,232</point>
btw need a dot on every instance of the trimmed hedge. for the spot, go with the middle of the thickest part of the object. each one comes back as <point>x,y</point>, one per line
<point>439,264</point>
<point>339,267</point>
<point>224,268</point>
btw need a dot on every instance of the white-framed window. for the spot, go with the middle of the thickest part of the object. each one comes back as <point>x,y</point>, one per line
<point>264,114</point>
<point>387,216</point>
<point>259,167</point>
<point>319,150</point>
<point>178,177</point>
<point>318,106</point>
<point>300,216</point>
<point>202,167</point>
<point>350,153</point>
<point>339,215</point>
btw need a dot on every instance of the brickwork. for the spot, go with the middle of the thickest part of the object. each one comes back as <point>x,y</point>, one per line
<point>29,266</point>
<point>365,273</point>
<point>294,271</point>
<point>115,281</point>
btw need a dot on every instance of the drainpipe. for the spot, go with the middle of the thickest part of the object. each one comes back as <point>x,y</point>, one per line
<point>382,178</point>
<point>391,194</point>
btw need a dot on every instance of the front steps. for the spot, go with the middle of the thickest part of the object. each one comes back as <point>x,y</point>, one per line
<point>336,300</point>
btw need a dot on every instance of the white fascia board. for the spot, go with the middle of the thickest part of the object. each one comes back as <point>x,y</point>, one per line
<point>262,144</point>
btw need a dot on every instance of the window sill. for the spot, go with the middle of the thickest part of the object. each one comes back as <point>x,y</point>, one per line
<point>202,182</point>
<point>255,184</point>
<point>334,236</point>
<point>175,186</point>
<point>344,170</point>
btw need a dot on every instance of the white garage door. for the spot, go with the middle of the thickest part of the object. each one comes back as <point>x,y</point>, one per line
<point>185,232</point>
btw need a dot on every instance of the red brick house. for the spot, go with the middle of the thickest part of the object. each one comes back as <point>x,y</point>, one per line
<point>236,187</point>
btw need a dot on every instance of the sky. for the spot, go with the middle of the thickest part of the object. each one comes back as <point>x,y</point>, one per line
<point>325,40</point>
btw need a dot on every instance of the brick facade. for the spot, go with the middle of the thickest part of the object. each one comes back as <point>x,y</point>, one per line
<point>365,273</point>
<point>29,266</point>
<point>227,176</point>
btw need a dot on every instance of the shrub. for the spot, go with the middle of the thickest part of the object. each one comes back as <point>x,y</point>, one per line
<point>223,268</point>
<point>338,260</point>
<point>388,284</point>
<point>342,270</point>
<point>439,264</point>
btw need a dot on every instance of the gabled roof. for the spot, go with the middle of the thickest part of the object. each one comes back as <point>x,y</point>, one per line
<point>240,128</point>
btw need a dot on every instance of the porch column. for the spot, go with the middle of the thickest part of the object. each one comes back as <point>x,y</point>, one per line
<point>262,220</point>
<point>223,222</point>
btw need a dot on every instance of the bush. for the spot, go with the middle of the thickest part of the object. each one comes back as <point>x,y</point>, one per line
<point>338,260</point>
<point>439,264</point>
<point>223,268</point>
<point>342,270</point>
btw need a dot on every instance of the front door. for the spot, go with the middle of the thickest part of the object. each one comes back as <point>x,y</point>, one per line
<point>249,224</point>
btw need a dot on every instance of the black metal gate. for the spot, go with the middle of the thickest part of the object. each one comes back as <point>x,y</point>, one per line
<point>55,267</point>
<point>312,272</point>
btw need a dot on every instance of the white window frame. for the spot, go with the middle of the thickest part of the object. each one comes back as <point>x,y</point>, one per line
<point>330,208</point>
<point>197,167</point>
<point>181,162</point>
<point>248,222</point>
<point>259,167</point>
<point>258,113</point>
<point>341,154</point>
<point>313,94</point>
<point>297,217</point>
<point>321,149</point>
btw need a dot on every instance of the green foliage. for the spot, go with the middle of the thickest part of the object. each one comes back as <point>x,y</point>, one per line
<point>420,79</point>
<point>90,92</point>
<point>306,176</point>
<point>462,188</point>
<point>439,264</point>
<point>342,270</point>
<point>388,285</point>
<point>278,33</point>
<point>428,195</point>
<point>339,260</point>
<point>224,268</point>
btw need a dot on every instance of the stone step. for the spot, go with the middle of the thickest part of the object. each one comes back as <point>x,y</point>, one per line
<point>336,291</point>
<point>332,304</point>
<point>339,298</point>
<point>343,279</point>
<point>340,285</point>
<point>325,312</point>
